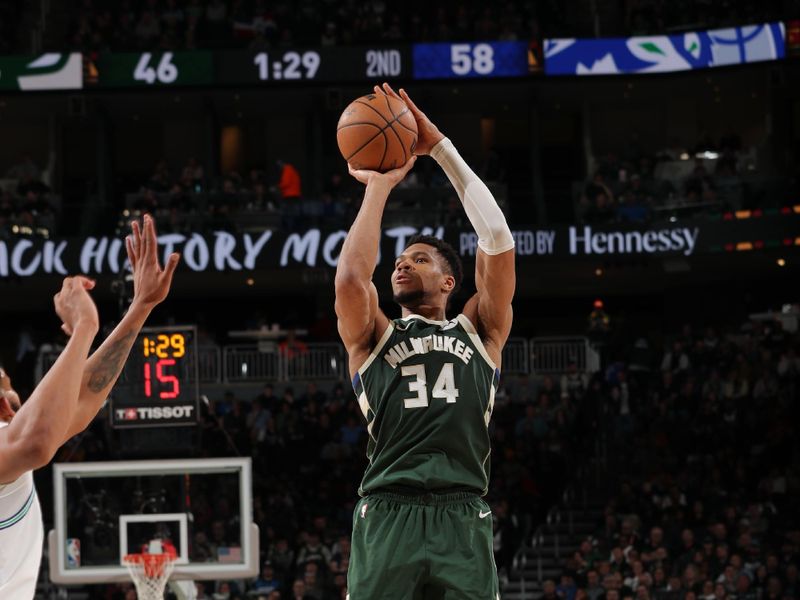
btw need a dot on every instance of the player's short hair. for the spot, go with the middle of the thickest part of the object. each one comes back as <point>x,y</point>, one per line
<point>447,252</point>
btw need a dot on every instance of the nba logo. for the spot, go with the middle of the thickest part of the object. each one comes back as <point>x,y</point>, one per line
<point>364,510</point>
<point>73,553</point>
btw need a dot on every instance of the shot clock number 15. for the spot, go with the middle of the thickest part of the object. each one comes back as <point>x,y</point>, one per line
<point>164,348</point>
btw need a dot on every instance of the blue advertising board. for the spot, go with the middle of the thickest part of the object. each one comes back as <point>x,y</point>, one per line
<point>665,53</point>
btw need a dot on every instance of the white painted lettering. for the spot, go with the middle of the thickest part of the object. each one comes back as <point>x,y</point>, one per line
<point>252,250</point>
<point>300,247</point>
<point>648,241</point>
<point>400,235</point>
<point>575,239</point>
<point>17,256</point>
<point>113,254</point>
<point>524,243</point>
<point>468,244</point>
<point>224,245</point>
<point>52,257</point>
<point>3,259</point>
<point>93,249</point>
<point>195,253</point>
<point>599,243</point>
<point>169,241</point>
<point>544,242</point>
<point>331,244</point>
<point>691,239</point>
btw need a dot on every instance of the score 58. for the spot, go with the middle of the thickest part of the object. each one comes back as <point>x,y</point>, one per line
<point>472,58</point>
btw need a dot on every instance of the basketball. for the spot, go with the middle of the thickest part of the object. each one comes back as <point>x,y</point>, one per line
<point>377,132</point>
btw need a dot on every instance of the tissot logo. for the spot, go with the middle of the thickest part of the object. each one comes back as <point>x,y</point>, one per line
<point>155,412</point>
<point>583,240</point>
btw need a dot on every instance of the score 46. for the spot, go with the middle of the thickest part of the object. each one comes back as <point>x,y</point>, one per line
<point>165,72</point>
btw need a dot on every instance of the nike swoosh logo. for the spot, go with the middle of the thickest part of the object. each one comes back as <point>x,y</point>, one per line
<point>483,515</point>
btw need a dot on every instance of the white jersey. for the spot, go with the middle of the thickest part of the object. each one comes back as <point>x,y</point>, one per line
<point>21,538</point>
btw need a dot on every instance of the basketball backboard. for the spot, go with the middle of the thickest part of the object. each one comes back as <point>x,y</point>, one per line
<point>200,507</point>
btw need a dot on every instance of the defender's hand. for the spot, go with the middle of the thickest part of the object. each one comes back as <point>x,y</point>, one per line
<point>151,283</point>
<point>428,135</point>
<point>74,305</point>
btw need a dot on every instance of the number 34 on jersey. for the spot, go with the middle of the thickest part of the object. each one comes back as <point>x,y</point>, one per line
<point>444,386</point>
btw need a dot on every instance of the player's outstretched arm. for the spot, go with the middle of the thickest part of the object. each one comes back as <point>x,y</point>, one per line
<point>357,311</point>
<point>490,308</point>
<point>37,430</point>
<point>151,285</point>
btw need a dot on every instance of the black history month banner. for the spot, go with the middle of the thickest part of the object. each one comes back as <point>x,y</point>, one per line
<point>226,251</point>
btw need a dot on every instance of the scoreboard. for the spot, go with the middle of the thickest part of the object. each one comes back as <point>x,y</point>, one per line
<point>275,67</point>
<point>203,68</point>
<point>159,383</point>
<point>236,68</point>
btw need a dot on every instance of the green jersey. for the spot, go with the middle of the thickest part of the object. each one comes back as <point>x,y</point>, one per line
<point>427,392</point>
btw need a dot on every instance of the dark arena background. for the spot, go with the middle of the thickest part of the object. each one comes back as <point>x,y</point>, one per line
<point>646,154</point>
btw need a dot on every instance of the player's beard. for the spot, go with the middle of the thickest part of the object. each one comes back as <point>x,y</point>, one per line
<point>409,298</point>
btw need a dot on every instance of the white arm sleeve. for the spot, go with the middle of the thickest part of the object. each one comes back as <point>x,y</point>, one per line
<point>494,236</point>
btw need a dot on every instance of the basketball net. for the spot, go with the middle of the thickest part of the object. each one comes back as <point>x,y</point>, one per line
<point>150,571</point>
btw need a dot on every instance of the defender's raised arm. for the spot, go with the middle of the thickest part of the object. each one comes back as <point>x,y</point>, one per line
<point>151,285</point>
<point>37,430</point>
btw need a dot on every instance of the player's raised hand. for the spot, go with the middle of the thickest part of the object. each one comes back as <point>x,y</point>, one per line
<point>151,283</point>
<point>74,305</point>
<point>428,134</point>
<point>390,178</point>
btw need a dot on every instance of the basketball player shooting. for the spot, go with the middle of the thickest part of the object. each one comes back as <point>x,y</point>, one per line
<point>426,387</point>
<point>65,402</point>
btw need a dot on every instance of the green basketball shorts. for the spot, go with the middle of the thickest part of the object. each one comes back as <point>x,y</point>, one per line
<point>422,547</point>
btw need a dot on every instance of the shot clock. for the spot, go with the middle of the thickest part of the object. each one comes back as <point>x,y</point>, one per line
<point>159,382</point>
<point>167,349</point>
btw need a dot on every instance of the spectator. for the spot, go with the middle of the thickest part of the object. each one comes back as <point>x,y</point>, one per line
<point>313,551</point>
<point>599,322</point>
<point>289,184</point>
<point>312,581</point>
<point>352,431</point>
<point>299,591</point>
<point>549,590</point>
<point>292,347</point>
<point>257,422</point>
<point>148,29</point>
<point>675,360</point>
<point>192,175</point>
<point>594,590</point>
